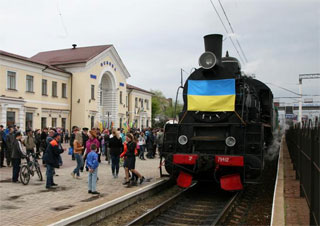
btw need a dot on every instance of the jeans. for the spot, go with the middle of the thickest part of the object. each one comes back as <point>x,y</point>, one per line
<point>49,173</point>
<point>79,164</point>
<point>15,169</point>
<point>115,159</point>
<point>92,180</point>
<point>103,149</point>
<point>141,154</point>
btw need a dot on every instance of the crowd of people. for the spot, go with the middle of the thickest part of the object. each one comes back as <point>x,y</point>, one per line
<point>86,148</point>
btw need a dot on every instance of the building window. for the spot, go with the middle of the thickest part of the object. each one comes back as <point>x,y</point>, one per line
<point>147,104</point>
<point>147,123</point>
<point>43,122</point>
<point>120,123</point>
<point>92,92</point>
<point>64,90</point>
<point>141,103</point>
<point>120,97</point>
<point>11,118</point>
<point>136,102</point>
<point>29,120</point>
<point>44,87</point>
<point>29,84</point>
<point>54,89</point>
<point>92,121</point>
<point>63,123</point>
<point>11,80</point>
<point>54,122</point>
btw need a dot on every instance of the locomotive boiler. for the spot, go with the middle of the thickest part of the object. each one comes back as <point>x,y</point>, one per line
<point>225,126</point>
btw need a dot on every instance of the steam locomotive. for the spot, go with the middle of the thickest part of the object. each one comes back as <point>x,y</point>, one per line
<point>225,126</point>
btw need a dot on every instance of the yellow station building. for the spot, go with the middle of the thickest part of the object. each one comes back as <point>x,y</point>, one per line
<point>78,86</point>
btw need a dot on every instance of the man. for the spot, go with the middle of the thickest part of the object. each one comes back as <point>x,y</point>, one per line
<point>43,141</point>
<point>29,142</point>
<point>75,129</point>
<point>85,137</point>
<point>160,136</point>
<point>51,158</point>
<point>9,142</point>
<point>2,145</point>
<point>16,156</point>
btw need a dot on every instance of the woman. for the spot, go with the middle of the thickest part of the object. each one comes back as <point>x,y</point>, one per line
<point>92,140</point>
<point>142,144</point>
<point>130,159</point>
<point>115,144</point>
<point>77,150</point>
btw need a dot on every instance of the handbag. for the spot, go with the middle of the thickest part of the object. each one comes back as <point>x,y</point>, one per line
<point>70,152</point>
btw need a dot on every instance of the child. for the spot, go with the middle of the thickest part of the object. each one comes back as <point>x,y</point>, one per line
<point>92,163</point>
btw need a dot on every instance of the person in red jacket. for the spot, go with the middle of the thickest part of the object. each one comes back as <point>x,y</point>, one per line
<point>129,153</point>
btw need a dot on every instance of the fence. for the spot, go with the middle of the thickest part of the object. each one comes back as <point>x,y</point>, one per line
<point>304,148</point>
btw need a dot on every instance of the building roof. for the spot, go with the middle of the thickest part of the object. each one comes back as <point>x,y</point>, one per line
<point>139,89</point>
<point>4,53</point>
<point>70,56</point>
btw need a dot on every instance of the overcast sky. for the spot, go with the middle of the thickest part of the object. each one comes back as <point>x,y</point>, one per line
<point>156,38</point>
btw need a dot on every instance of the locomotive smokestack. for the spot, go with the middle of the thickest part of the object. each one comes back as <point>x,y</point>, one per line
<point>213,43</point>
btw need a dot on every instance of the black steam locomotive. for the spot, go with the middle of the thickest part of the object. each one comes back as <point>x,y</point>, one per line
<point>225,126</point>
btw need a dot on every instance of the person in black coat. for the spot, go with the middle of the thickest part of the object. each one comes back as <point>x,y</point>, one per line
<point>10,138</point>
<point>16,156</point>
<point>51,158</point>
<point>115,144</point>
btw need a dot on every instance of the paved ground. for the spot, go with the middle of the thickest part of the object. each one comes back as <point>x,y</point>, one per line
<point>34,205</point>
<point>296,208</point>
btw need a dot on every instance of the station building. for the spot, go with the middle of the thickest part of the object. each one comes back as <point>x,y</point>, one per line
<point>78,86</point>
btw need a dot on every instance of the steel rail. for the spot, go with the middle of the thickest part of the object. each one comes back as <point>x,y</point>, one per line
<point>156,211</point>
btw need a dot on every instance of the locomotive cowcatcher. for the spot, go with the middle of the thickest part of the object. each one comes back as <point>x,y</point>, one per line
<point>225,126</point>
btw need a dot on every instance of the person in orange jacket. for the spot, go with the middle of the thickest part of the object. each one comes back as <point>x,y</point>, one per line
<point>129,153</point>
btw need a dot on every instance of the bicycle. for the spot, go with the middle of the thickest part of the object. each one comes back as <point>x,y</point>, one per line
<point>29,168</point>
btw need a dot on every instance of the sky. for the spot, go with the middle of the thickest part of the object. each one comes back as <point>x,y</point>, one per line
<point>156,38</point>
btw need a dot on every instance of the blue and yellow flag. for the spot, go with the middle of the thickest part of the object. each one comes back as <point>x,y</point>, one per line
<point>211,95</point>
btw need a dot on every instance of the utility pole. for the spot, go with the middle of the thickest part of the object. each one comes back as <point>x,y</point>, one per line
<point>301,77</point>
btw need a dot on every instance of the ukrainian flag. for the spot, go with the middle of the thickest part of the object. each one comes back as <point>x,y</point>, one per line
<point>211,95</point>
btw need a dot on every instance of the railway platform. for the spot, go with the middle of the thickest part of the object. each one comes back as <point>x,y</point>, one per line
<point>288,207</point>
<point>32,204</point>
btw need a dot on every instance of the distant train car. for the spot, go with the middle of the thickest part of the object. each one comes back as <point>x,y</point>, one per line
<point>225,126</point>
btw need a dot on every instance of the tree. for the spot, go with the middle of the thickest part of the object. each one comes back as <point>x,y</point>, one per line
<point>163,109</point>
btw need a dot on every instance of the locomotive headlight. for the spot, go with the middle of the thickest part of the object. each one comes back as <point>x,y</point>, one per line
<point>183,139</point>
<point>207,60</point>
<point>230,141</point>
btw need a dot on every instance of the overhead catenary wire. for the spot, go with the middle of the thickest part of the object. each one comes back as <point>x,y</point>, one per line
<point>225,28</point>
<point>231,28</point>
<point>61,19</point>
<point>269,83</point>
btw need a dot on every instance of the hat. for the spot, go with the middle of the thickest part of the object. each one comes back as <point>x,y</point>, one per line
<point>85,129</point>
<point>93,133</point>
<point>55,135</point>
<point>28,130</point>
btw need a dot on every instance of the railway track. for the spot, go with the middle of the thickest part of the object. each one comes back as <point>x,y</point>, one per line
<point>197,205</point>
